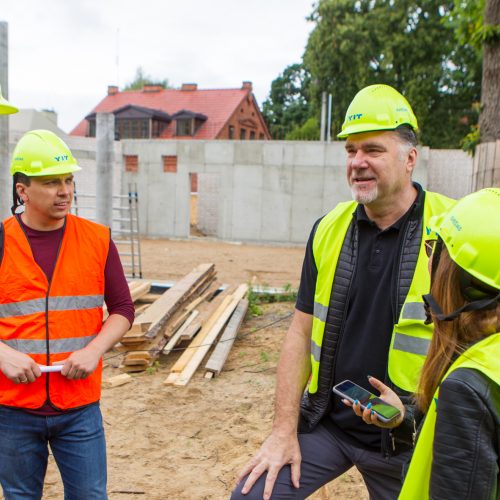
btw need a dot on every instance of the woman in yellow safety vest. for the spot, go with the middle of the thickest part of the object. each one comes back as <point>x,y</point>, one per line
<point>457,451</point>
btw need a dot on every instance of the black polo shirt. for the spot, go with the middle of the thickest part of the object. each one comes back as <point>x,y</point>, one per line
<point>364,346</point>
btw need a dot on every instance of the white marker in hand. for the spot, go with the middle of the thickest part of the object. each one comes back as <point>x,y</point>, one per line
<point>48,369</point>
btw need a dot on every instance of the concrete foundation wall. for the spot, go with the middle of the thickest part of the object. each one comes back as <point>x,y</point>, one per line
<point>450,172</point>
<point>248,191</point>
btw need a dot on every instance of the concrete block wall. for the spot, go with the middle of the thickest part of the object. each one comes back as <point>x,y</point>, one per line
<point>450,172</point>
<point>208,203</point>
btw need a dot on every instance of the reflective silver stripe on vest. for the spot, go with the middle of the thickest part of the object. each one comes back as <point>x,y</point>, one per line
<point>414,310</point>
<point>315,351</point>
<point>28,346</point>
<point>75,302</point>
<point>63,303</point>
<point>413,345</point>
<point>320,311</point>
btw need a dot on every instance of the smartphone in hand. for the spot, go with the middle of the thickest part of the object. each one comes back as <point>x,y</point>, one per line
<point>352,392</point>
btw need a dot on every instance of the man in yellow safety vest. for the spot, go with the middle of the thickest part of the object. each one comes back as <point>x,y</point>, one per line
<point>359,313</point>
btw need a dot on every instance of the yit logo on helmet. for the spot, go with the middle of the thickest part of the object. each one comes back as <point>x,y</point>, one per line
<point>61,157</point>
<point>357,116</point>
<point>455,223</point>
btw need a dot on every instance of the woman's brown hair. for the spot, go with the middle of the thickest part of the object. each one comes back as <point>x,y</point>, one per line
<point>451,338</point>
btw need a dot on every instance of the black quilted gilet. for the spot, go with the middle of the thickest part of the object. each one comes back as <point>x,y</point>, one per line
<point>315,406</point>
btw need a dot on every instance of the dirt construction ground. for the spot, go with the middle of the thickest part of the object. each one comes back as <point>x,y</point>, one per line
<point>168,442</point>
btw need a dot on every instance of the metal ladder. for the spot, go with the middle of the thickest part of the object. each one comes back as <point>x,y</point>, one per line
<point>125,227</point>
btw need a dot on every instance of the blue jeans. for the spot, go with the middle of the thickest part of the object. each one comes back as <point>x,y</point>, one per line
<point>77,442</point>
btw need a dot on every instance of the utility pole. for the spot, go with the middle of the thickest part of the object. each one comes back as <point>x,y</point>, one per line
<point>105,160</point>
<point>5,178</point>
<point>329,122</point>
<point>322,133</point>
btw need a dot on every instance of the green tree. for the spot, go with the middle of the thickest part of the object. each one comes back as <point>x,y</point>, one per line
<point>287,106</point>
<point>403,43</point>
<point>309,131</point>
<point>478,24</point>
<point>141,78</point>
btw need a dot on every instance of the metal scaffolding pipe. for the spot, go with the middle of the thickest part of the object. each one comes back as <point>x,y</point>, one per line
<point>105,160</point>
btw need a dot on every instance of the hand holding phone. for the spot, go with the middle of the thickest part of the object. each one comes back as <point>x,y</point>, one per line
<point>352,392</point>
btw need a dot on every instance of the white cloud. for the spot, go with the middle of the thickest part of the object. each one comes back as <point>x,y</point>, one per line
<point>63,53</point>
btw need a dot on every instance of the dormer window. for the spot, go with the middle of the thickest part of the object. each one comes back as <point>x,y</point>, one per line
<point>188,122</point>
<point>135,122</point>
<point>184,127</point>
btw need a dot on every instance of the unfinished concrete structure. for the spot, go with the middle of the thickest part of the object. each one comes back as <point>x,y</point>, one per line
<point>259,191</point>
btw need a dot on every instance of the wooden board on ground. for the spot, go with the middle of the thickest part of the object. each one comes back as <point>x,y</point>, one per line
<point>207,340</point>
<point>137,289</point>
<point>205,309</point>
<point>117,380</point>
<point>226,341</point>
<point>152,320</point>
<point>199,339</point>
<point>149,298</point>
<point>191,330</point>
<point>177,336</point>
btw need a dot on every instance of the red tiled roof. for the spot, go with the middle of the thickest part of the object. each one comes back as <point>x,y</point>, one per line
<point>217,104</point>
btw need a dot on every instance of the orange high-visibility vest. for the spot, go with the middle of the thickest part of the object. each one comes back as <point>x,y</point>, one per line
<point>48,321</point>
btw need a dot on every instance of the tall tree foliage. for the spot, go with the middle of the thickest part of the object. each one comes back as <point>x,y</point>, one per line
<point>141,78</point>
<point>287,106</point>
<point>403,43</point>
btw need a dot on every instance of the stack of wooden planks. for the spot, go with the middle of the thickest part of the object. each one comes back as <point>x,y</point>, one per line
<point>186,312</point>
<point>191,358</point>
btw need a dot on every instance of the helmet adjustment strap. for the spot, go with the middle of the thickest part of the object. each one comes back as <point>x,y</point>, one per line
<point>431,305</point>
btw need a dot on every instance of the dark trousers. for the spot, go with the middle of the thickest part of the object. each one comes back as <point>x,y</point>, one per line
<point>325,457</point>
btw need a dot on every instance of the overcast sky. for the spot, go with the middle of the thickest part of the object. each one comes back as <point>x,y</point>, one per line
<point>64,53</point>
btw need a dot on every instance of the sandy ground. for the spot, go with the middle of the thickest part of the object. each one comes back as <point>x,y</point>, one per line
<point>189,443</point>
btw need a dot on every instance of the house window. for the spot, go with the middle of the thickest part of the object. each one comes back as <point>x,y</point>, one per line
<point>169,163</point>
<point>261,136</point>
<point>131,163</point>
<point>158,128</point>
<point>184,127</point>
<point>133,129</point>
<point>243,134</point>
<point>91,128</point>
<point>231,132</point>
<point>252,135</point>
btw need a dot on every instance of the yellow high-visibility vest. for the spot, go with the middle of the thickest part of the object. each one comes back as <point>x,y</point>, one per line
<point>484,357</point>
<point>410,337</point>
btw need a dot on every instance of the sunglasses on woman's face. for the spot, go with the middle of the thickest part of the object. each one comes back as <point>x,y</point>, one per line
<point>429,247</point>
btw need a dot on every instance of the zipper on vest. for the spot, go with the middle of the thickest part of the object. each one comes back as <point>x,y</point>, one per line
<point>398,276</point>
<point>47,384</point>
<point>346,305</point>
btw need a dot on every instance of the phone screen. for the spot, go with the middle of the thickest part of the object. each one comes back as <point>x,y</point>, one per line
<point>354,391</point>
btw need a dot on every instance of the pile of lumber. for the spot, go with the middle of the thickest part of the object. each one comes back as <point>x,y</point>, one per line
<point>192,314</point>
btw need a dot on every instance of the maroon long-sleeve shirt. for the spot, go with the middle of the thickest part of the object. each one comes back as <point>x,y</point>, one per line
<point>45,244</point>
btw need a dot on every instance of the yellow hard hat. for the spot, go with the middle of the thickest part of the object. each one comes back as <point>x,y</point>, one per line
<point>471,232</point>
<point>41,152</point>
<point>377,107</point>
<point>5,107</point>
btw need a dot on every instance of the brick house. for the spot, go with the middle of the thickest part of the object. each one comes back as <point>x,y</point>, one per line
<point>185,113</point>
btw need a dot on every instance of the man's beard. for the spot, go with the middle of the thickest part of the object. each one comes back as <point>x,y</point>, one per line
<point>363,196</point>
